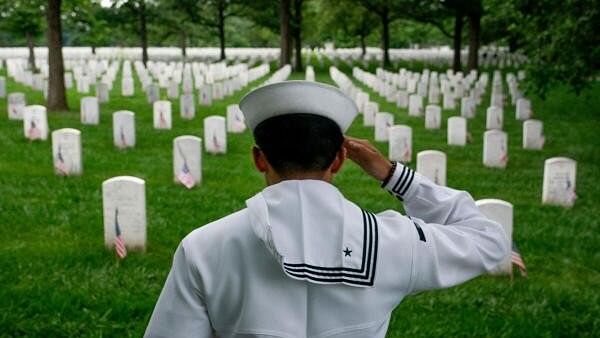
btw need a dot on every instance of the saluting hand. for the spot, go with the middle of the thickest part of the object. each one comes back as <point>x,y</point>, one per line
<point>367,157</point>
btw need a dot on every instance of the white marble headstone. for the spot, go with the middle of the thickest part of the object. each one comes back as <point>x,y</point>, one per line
<point>434,95</point>
<point>449,102</point>
<point>83,85</point>
<point>497,99</point>
<point>173,90</point>
<point>457,131</point>
<point>127,87</point>
<point>16,106</point>
<point>500,212</point>
<point>68,80</point>
<point>402,99</point>
<point>35,123</point>
<point>187,160</point>
<point>205,95</point>
<point>310,74</point>
<point>235,119</point>
<point>187,106</point>
<point>162,115</point>
<point>533,135</point>
<point>383,121</point>
<point>432,164</point>
<point>467,107</point>
<point>215,135</point>
<point>2,87</point>
<point>124,206</point>
<point>415,105</point>
<point>102,92</point>
<point>124,129</point>
<point>90,110</point>
<point>400,143</point>
<point>494,118</point>
<point>371,109</point>
<point>560,174</point>
<point>66,152</point>
<point>152,93</point>
<point>218,91</point>
<point>433,117</point>
<point>523,109</point>
<point>361,100</point>
<point>495,149</point>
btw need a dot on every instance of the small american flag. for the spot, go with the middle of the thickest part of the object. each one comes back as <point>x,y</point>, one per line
<point>119,241</point>
<point>162,122</point>
<point>503,155</point>
<point>33,133</point>
<point>239,122</point>
<point>59,164</point>
<point>571,195</point>
<point>407,153</point>
<point>516,259</point>
<point>185,177</point>
<point>216,142</point>
<point>123,143</point>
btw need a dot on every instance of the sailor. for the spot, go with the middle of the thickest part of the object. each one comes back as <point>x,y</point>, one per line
<point>301,260</point>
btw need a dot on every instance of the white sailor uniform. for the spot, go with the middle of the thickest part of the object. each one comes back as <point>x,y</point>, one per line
<point>303,261</point>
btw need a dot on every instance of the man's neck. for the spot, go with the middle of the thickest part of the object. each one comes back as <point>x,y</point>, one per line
<point>274,178</point>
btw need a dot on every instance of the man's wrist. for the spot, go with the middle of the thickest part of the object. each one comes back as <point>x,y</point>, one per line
<point>390,173</point>
<point>399,181</point>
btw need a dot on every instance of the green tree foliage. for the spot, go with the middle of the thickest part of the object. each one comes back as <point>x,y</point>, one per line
<point>562,42</point>
<point>347,23</point>
<point>87,23</point>
<point>24,19</point>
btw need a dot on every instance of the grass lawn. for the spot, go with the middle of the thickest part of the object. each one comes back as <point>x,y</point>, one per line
<point>58,280</point>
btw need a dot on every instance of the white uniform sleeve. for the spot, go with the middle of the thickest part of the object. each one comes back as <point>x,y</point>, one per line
<point>180,310</point>
<point>453,241</point>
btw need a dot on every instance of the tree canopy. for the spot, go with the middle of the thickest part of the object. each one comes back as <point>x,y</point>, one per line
<point>559,37</point>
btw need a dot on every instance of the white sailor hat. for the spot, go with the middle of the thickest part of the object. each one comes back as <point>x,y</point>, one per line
<point>293,97</point>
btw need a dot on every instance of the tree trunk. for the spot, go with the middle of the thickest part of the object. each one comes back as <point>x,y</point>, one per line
<point>298,33</point>
<point>222,32</point>
<point>513,44</point>
<point>183,44</point>
<point>31,51</point>
<point>474,32</point>
<point>385,21</point>
<point>363,46</point>
<point>458,26</point>
<point>143,32</point>
<point>57,99</point>
<point>284,25</point>
<point>93,50</point>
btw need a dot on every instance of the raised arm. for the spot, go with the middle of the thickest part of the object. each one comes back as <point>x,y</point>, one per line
<point>453,242</point>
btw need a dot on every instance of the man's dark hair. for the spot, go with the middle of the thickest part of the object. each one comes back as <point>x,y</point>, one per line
<point>298,142</point>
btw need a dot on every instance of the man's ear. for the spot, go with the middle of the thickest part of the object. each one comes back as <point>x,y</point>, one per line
<point>337,163</point>
<point>260,160</point>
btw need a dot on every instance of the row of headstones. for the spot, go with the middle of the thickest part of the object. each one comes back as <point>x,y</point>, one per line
<point>39,81</point>
<point>206,92</point>
<point>84,77</point>
<point>452,85</point>
<point>558,182</point>
<point>559,177</point>
<point>124,197</point>
<point>279,75</point>
<point>437,56</point>
<point>409,89</point>
<point>35,127</point>
<point>457,127</point>
<point>457,132</point>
